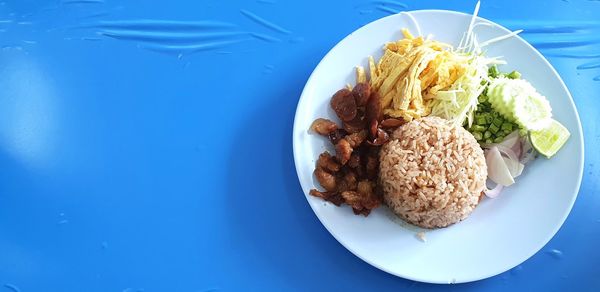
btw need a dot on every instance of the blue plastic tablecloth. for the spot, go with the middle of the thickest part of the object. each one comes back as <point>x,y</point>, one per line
<point>146,145</point>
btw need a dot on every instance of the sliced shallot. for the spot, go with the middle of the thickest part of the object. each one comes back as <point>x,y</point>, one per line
<point>514,166</point>
<point>511,155</point>
<point>528,152</point>
<point>497,169</point>
<point>494,192</point>
<point>513,142</point>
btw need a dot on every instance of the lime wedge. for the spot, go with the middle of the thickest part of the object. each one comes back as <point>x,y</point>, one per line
<point>550,139</point>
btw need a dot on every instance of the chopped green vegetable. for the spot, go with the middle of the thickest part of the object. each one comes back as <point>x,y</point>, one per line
<point>480,120</point>
<point>514,75</point>
<point>493,71</point>
<point>489,126</point>
<point>498,121</point>
<point>478,128</point>
<point>493,128</point>
<point>507,127</point>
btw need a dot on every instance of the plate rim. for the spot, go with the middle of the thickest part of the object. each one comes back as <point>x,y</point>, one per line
<point>424,279</point>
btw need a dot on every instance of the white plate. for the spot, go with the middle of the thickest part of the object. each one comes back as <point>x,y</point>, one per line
<point>501,233</point>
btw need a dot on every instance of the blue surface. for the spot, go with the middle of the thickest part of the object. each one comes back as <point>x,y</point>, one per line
<point>147,145</point>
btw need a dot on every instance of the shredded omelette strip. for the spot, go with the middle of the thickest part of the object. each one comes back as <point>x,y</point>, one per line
<point>410,73</point>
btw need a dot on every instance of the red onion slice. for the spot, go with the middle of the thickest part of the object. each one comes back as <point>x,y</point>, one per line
<point>528,152</point>
<point>511,139</point>
<point>497,169</point>
<point>510,154</point>
<point>494,192</point>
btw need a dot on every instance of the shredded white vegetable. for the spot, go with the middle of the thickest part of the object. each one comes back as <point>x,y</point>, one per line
<point>414,22</point>
<point>500,38</point>
<point>458,103</point>
<point>465,45</point>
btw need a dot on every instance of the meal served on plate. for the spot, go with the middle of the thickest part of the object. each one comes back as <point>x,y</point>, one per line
<point>427,127</point>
